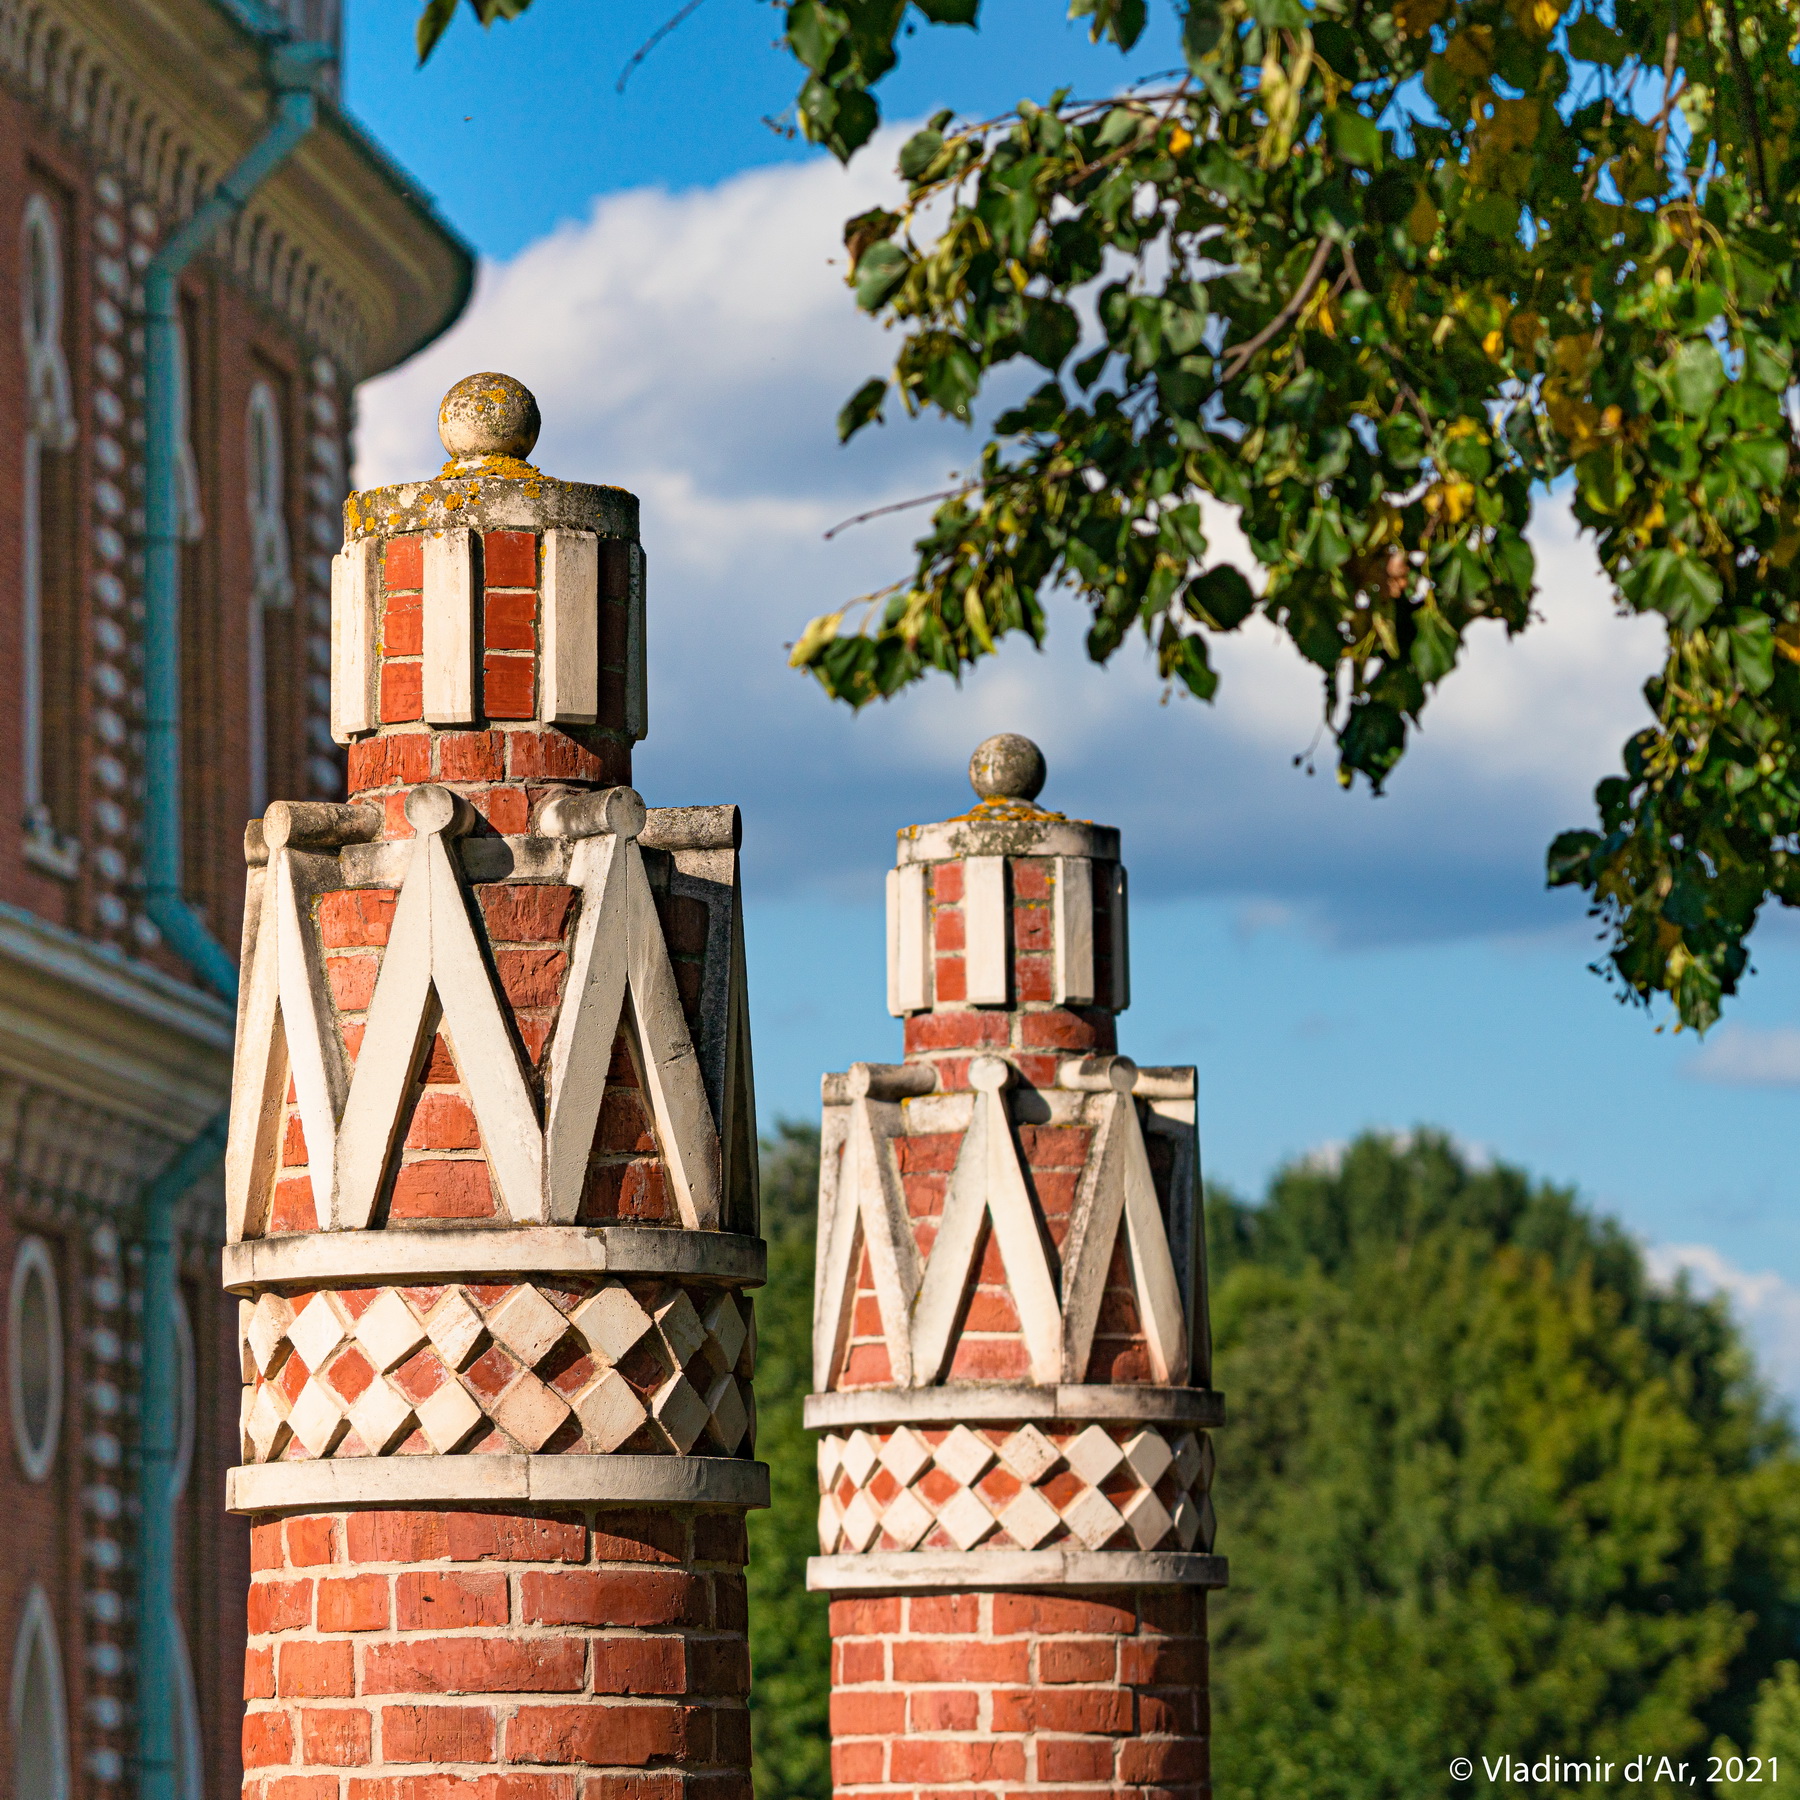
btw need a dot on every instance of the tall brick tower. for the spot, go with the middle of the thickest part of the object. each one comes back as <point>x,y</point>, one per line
<point>1010,1339</point>
<point>491,1184</point>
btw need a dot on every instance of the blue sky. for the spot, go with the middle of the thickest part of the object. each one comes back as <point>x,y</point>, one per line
<point>659,268</point>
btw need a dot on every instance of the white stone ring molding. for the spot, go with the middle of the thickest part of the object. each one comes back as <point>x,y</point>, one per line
<point>1201,1408</point>
<point>544,1480</point>
<point>722,1258</point>
<point>894,1572</point>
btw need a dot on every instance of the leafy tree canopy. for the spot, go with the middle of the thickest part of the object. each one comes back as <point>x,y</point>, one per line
<point>1485,1489</point>
<point>1366,271</point>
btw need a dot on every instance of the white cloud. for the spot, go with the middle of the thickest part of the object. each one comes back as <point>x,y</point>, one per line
<point>1749,1056</point>
<point>695,347</point>
<point>1766,1305</point>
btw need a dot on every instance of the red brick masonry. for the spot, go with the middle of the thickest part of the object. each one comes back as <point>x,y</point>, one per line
<point>416,1655</point>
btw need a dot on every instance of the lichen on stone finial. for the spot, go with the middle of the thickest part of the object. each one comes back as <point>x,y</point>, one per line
<point>1007,767</point>
<point>489,423</point>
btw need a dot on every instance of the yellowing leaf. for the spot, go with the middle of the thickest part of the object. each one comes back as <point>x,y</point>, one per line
<point>1416,17</point>
<point>1179,140</point>
<point>1536,18</point>
<point>1452,498</point>
<point>1471,52</point>
<point>814,639</point>
<point>1493,344</point>
<point>1573,355</point>
<point>1513,124</point>
<point>1422,221</point>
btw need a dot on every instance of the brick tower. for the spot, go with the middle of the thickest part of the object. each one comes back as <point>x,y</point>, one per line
<point>1010,1339</point>
<point>491,1184</point>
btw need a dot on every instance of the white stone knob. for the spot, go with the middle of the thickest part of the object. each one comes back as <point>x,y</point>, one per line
<point>1007,767</point>
<point>489,415</point>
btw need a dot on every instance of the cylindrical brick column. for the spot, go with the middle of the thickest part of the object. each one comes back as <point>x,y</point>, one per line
<point>406,1646</point>
<point>491,1186</point>
<point>1010,1347</point>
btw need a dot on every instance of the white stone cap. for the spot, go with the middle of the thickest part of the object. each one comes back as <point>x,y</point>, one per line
<point>959,1405</point>
<point>1007,832</point>
<point>349,1257</point>
<point>892,1571</point>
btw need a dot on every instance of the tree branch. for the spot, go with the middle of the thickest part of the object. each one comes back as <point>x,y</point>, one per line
<point>879,512</point>
<point>1239,354</point>
<point>655,38</point>
<point>1746,98</point>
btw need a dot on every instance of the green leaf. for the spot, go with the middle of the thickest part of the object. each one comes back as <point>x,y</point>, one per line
<point>1182,531</point>
<point>1119,126</point>
<point>1402,440</point>
<point>1354,136</point>
<point>879,273</point>
<point>1752,640</point>
<point>949,12</point>
<point>952,377</point>
<point>434,21</point>
<point>1279,15</point>
<point>1187,661</point>
<point>1051,330</point>
<point>1591,40</point>
<point>814,30</point>
<point>1758,462</point>
<point>1769,365</point>
<point>1221,598</point>
<point>1201,28</point>
<point>917,153</point>
<point>1434,646</point>
<point>1680,587</point>
<point>1695,376</point>
<point>862,407</point>
<point>1493,216</point>
<point>1468,456</point>
<point>1087,371</point>
<point>854,124</point>
<point>1571,858</point>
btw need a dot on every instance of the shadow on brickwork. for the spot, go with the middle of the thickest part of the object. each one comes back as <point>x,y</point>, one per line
<point>790,1652</point>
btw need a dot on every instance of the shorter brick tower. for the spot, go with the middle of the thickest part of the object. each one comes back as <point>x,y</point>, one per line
<point>491,1186</point>
<point>1010,1340</point>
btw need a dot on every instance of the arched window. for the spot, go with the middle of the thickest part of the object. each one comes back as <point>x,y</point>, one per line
<point>271,580</point>
<point>34,1358</point>
<point>50,699</point>
<point>39,1713</point>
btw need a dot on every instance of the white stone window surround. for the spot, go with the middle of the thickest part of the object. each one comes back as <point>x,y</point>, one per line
<point>34,1358</point>
<point>185,1398</point>
<point>190,518</point>
<point>50,427</point>
<point>39,1713</point>
<point>271,565</point>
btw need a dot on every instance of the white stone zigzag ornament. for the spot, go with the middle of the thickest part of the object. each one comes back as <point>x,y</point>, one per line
<point>866,1206</point>
<point>353,1120</point>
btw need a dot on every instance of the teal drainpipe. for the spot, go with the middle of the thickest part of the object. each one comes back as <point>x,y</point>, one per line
<point>294,70</point>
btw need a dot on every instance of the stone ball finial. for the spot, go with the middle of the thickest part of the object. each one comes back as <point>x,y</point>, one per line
<point>1007,767</point>
<point>489,415</point>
